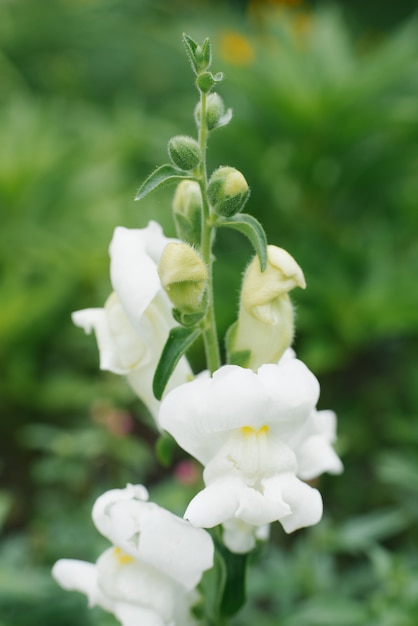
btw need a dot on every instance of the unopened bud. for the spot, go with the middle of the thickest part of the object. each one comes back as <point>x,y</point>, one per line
<point>187,211</point>
<point>228,191</point>
<point>215,112</point>
<point>183,275</point>
<point>184,151</point>
<point>203,55</point>
<point>265,325</point>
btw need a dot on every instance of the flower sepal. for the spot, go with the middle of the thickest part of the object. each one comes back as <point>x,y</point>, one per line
<point>188,319</point>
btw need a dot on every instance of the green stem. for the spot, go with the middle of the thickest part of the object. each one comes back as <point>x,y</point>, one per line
<point>210,335</point>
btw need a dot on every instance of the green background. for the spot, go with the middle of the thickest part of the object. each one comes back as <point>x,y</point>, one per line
<point>325,130</point>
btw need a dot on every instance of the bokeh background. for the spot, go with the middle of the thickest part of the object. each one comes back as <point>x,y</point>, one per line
<point>325,129</point>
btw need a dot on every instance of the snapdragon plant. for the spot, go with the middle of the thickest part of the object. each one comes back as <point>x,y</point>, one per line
<point>251,422</point>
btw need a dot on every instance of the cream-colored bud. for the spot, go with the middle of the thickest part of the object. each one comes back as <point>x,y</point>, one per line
<point>183,275</point>
<point>261,289</point>
<point>187,209</point>
<point>227,191</point>
<point>235,183</point>
<point>215,110</point>
<point>265,325</point>
<point>187,197</point>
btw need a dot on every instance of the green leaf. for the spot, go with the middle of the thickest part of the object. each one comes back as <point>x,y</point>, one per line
<point>251,228</point>
<point>163,175</point>
<point>191,47</point>
<point>165,448</point>
<point>206,53</point>
<point>179,340</point>
<point>234,591</point>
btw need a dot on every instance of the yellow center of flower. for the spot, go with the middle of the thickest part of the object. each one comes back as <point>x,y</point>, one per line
<point>249,430</point>
<point>122,557</point>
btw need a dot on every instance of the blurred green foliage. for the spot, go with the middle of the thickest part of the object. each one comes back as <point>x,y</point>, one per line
<point>326,132</point>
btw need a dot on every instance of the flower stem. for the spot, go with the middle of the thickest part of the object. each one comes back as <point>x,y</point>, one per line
<point>210,335</point>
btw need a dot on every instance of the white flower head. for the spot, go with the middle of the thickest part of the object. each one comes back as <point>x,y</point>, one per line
<point>153,535</point>
<point>150,574</point>
<point>250,431</point>
<point>133,326</point>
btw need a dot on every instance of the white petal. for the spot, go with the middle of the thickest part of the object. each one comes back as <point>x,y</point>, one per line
<point>131,347</point>
<point>304,501</point>
<point>313,448</point>
<point>96,319</point>
<point>130,615</point>
<point>316,456</point>
<point>216,503</point>
<point>238,536</point>
<point>75,575</point>
<point>293,392</point>
<point>259,508</point>
<point>326,424</point>
<point>155,240</point>
<point>155,536</point>
<point>201,413</point>
<point>230,497</point>
<point>251,454</point>
<point>133,271</point>
<point>126,580</point>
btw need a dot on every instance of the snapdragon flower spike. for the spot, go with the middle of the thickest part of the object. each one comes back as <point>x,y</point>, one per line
<point>253,431</point>
<point>133,326</point>
<point>150,574</point>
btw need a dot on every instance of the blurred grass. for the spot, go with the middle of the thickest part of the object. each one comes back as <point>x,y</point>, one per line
<point>325,130</point>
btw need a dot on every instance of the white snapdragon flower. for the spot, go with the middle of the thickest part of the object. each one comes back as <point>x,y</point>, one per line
<point>150,574</point>
<point>133,326</point>
<point>257,434</point>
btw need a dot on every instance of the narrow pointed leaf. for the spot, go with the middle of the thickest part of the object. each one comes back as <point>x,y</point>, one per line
<point>163,175</point>
<point>207,52</point>
<point>179,340</point>
<point>191,47</point>
<point>234,591</point>
<point>251,228</point>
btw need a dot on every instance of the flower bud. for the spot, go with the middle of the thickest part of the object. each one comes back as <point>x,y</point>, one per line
<point>183,275</point>
<point>215,111</point>
<point>184,151</point>
<point>227,191</point>
<point>187,211</point>
<point>265,323</point>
